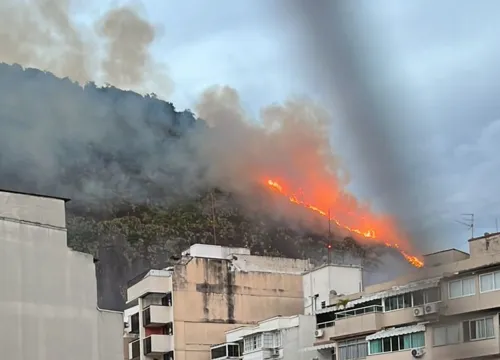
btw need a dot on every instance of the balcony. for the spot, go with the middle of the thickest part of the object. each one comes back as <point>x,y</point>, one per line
<point>357,321</point>
<point>156,315</point>
<point>154,282</point>
<point>134,350</point>
<point>158,345</point>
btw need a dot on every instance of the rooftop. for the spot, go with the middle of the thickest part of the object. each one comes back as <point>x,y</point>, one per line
<point>35,194</point>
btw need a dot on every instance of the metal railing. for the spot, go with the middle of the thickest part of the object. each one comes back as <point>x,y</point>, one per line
<point>325,324</point>
<point>359,311</point>
<point>350,313</point>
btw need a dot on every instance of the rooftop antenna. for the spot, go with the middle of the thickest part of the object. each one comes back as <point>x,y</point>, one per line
<point>213,216</point>
<point>468,221</point>
<point>329,245</point>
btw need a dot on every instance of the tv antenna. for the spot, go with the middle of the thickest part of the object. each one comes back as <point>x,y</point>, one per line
<point>468,221</point>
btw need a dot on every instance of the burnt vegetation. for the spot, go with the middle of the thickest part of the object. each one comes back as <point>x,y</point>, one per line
<point>101,147</point>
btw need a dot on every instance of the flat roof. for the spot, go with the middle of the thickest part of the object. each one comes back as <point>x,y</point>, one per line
<point>487,235</point>
<point>446,250</point>
<point>35,194</point>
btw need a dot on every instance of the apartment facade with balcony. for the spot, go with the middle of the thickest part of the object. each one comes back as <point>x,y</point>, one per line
<point>48,299</point>
<point>279,337</point>
<point>185,309</point>
<point>447,310</point>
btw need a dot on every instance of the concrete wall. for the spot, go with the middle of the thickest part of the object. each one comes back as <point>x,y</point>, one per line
<point>445,257</point>
<point>48,302</point>
<point>211,297</point>
<point>342,279</point>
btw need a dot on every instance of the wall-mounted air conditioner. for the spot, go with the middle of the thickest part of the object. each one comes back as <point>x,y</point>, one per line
<point>431,308</point>
<point>318,333</point>
<point>418,311</point>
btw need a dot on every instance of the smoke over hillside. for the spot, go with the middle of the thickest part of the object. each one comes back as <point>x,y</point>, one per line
<point>102,145</point>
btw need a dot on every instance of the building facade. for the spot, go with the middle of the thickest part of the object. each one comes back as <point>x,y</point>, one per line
<point>48,302</point>
<point>275,338</point>
<point>321,283</point>
<point>185,309</point>
<point>447,310</point>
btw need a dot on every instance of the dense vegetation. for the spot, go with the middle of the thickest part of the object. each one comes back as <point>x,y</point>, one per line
<point>107,150</point>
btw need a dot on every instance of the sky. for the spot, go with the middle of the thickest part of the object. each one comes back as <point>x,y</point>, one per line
<point>443,54</point>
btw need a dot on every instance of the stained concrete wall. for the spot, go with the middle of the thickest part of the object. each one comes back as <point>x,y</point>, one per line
<point>212,296</point>
<point>48,297</point>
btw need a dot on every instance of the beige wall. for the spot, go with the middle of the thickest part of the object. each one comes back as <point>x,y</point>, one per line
<point>210,298</point>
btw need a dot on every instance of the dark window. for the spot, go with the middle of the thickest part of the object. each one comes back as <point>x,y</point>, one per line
<point>134,323</point>
<point>218,352</point>
<point>146,316</point>
<point>233,351</point>
<point>418,298</point>
<point>395,343</point>
<point>386,344</point>
<point>167,299</point>
<point>147,345</point>
<point>169,355</point>
<point>432,295</point>
<point>323,304</point>
<point>136,349</point>
<point>169,329</point>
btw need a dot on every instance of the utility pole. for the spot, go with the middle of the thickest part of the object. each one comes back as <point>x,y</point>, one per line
<point>213,217</point>
<point>329,245</point>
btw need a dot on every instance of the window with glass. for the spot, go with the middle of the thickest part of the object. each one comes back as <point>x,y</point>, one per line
<point>478,329</point>
<point>252,342</point>
<point>397,343</point>
<point>462,287</point>
<point>446,335</point>
<point>489,282</point>
<point>398,302</point>
<point>353,349</point>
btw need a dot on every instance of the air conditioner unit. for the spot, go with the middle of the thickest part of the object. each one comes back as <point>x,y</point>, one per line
<point>417,353</point>
<point>275,352</point>
<point>431,308</point>
<point>318,333</point>
<point>418,311</point>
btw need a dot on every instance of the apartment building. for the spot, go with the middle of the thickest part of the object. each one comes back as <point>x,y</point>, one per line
<point>186,308</point>
<point>277,337</point>
<point>48,301</point>
<point>321,283</point>
<point>447,310</point>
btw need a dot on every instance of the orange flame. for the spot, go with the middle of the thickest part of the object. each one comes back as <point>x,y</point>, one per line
<point>367,233</point>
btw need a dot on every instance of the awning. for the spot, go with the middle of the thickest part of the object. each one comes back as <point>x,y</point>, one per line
<point>319,347</point>
<point>396,331</point>
<point>397,290</point>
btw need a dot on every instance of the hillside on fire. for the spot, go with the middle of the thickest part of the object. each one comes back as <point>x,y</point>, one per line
<point>146,180</point>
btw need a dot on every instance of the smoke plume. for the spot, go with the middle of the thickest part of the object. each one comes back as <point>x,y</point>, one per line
<point>115,50</point>
<point>102,144</point>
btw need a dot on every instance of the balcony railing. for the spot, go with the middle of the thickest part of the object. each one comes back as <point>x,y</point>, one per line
<point>349,313</point>
<point>359,311</point>
<point>325,324</point>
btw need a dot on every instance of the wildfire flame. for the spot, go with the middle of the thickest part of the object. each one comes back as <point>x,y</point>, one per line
<point>368,233</point>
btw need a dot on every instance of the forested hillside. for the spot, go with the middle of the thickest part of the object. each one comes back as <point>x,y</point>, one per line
<point>124,160</point>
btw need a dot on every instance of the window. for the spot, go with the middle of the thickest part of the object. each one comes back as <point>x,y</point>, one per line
<point>461,288</point>
<point>478,329</point>
<point>396,343</point>
<point>268,340</point>
<point>446,335</point>
<point>489,282</point>
<point>323,304</point>
<point>427,296</point>
<point>398,302</point>
<point>353,349</point>
<point>252,342</point>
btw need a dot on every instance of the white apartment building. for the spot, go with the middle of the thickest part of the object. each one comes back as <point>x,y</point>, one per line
<point>186,308</point>
<point>448,310</point>
<point>48,301</point>
<point>279,337</point>
<point>321,283</point>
